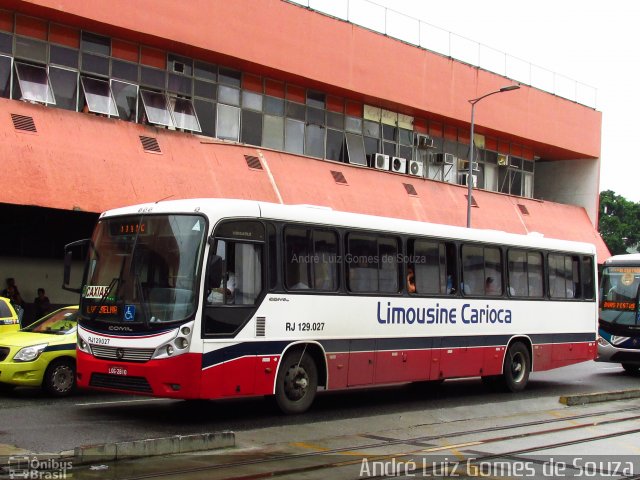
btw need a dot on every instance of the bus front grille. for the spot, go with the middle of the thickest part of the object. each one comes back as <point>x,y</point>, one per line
<point>122,354</point>
<point>132,384</point>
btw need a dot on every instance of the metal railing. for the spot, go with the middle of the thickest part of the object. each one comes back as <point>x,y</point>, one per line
<point>401,26</point>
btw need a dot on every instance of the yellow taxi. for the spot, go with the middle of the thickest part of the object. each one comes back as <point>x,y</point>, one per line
<point>42,354</point>
<point>9,320</point>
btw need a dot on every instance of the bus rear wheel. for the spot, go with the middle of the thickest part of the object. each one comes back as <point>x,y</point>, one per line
<point>516,368</point>
<point>631,368</point>
<point>296,383</point>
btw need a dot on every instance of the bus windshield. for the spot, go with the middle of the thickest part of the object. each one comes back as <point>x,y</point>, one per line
<point>619,302</point>
<point>144,269</point>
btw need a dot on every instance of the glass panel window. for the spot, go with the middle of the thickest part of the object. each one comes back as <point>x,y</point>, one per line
<point>5,76</point>
<point>241,280</point>
<point>371,147</point>
<point>298,259</point>
<point>325,265</point>
<point>97,94</point>
<point>31,49</point>
<point>95,64</point>
<point>587,278</point>
<point>184,115</point>
<point>389,148</point>
<point>371,129</point>
<point>34,83</point>
<point>362,263</point>
<point>274,106</point>
<point>228,122</point>
<point>427,264</point>
<point>355,147</point>
<point>273,132</point>
<point>205,89</point>
<point>493,272</point>
<point>316,99</point>
<point>229,77</point>
<point>389,133</point>
<point>295,111</point>
<point>517,270</point>
<point>314,141</point>
<point>206,71</point>
<point>294,136</point>
<point>207,116</point>
<point>405,136</point>
<point>315,116</point>
<point>534,265</point>
<point>6,43</point>
<point>228,95</point>
<point>353,124</point>
<point>252,100</point>
<point>126,97</point>
<point>153,77</point>
<point>124,70</point>
<point>179,64</point>
<point>65,87</point>
<point>251,132</point>
<point>564,276</point>
<point>335,120</point>
<point>336,146</point>
<point>67,57</point>
<point>481,271</point>
<point>179,84</point>
<point>95,44</point>
<point>155,108</point>
<point>388,273</point>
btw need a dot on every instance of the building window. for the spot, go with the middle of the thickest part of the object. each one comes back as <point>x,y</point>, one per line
<point>5,76</point>
<point>183,114</point>
<point>97,95</point>
<point>65,87</point>
<point>34,83</point>
<point>228,122</point>
<point>126,98</point>
<point>156,109</point>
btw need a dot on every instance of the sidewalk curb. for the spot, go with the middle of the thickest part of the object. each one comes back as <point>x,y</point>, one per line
<point>586,398</point>
<point>153,446</point>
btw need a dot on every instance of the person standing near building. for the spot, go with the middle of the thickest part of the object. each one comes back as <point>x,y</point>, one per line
<point>12,293</point>
<point>41,304</point>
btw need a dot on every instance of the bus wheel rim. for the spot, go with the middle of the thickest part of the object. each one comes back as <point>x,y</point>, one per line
<point>296,383</point>
<point>517,367</point>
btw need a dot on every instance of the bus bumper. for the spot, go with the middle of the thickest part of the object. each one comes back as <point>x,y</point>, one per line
<point>177,377</point>
<point>609,353</point>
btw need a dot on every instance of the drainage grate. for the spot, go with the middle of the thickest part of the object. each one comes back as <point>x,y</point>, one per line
<point>473,200</point>
<point>339,177</point>
<point>411,190</point>
<point>150,144</point>
<point>523,209</point>
<point>253,162</point>
<point>24,123</point>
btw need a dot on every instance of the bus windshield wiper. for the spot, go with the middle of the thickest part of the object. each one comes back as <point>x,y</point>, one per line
<point>116,282</point>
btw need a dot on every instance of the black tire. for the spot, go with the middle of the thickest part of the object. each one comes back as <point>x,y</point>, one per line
<point>516,368</point>
<point>296,383</point>
<point>631,368</point>
<point>60,378</point>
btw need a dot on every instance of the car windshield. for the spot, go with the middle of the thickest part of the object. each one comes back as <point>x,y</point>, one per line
<point>59,322</point>
<point>619,302</point>
<point>144,269</point>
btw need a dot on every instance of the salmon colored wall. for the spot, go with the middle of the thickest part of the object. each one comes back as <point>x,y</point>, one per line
<point>275,36</point>
<point>92,172</point>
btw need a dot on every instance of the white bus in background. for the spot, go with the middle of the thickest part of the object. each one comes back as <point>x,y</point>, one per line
<point>619,324</point>
<point>214,298</point>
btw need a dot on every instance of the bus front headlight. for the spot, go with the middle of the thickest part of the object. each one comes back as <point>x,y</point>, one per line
<point>602,342</point>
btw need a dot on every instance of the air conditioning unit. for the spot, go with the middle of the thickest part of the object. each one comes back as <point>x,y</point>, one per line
<point>444,158</point>
<point>423,141</point>
<point>399,164</point>
<point>381,161</point>
<point>474,179</point>
<point>416,168</point>
<point>464,165</point>
<point>503,160</point>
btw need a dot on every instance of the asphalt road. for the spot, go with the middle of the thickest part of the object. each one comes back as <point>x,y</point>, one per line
<point>30,420</point>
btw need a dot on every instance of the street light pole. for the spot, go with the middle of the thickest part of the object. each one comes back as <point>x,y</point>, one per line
<point>471,149</point>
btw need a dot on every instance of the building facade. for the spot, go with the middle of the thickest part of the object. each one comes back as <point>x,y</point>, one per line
<point>113,103</point>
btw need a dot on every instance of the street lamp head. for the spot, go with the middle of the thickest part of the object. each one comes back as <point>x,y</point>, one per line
<point>510,87</point>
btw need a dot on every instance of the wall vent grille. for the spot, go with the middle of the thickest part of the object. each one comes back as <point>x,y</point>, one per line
<point>523,209</point>
<point>473,201</point>
<point>339,177</point>
<point>24,123</point>
<point>150,144</point>
<point>411,190</point>
<point>253,162</point>
<point>260,326</point>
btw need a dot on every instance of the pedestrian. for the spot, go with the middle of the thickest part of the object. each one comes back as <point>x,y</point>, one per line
<point>13,293</point>
<point>41,304</point>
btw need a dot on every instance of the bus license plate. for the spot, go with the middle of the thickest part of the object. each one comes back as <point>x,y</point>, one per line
<point>117,371</point>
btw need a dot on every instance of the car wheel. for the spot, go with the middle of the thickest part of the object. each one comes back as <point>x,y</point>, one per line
<point>296,383</point>
<point>631,368</point>
<point>60,378</point>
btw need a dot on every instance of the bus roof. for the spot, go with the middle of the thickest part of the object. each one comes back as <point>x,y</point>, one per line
<point>626,259</point>
<point>228,208</point>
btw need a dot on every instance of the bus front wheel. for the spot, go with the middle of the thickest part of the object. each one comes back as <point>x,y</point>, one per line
<point>297,382</point>
<point>517,367</point>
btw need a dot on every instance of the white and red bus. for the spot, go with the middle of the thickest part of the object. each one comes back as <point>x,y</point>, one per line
<point>214,298</point>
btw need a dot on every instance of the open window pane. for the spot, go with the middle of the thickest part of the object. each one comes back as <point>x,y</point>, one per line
<point>126,96</point>
<point>5,76</point>
<point>184,115</point>
<point>97,94</point>
<point>34,83</point>
<point>156,109</point>
<point>355,147</point>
